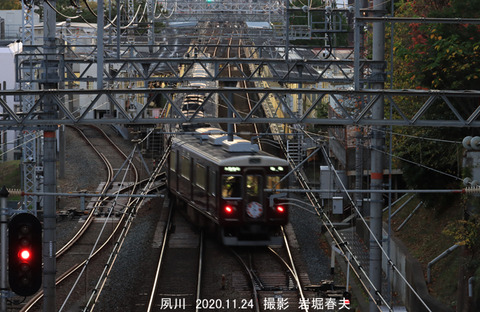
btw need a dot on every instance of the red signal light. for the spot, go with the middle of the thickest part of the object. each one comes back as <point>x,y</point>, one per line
<point>25,246</point>
<point>280,209</point>
<point>228,209</point>
<point>25,254</point>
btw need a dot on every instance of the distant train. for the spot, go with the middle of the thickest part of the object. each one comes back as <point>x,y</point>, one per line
<point>223,183</point>
<point>191,106</point>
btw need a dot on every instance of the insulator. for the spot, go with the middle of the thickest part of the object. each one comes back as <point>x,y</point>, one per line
<point>15,192</point>
<point>475,143</point>
<point>472,190</point>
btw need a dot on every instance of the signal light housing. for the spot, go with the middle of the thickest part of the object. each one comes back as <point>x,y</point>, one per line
<point>25,254</point>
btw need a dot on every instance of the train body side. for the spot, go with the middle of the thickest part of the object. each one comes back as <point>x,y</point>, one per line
<point>228,188</point>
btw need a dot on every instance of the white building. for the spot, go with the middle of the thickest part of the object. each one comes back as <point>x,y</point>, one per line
<point>13,23</point>
<point>8,50</point>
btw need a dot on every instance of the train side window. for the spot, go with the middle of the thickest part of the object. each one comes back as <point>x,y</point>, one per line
<point>231,186</point>
<point>185,167</point>
<point>173,161</point>
<point>200,176</point>
<point>212,182</point>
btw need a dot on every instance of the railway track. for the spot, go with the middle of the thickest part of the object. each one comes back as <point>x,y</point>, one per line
<point>192,278</point>
<point>272,274</point>
<point>273,281</point>
<point>178,273</point>
<point>86,239</point>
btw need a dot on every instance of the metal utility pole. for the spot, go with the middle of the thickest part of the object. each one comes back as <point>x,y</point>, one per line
<point>31,142</point>
<point>100,45</point>
<point>378,145</point>
<point>50,169</point>
<point>151,27</point>
<point>359,167</point>
<point>4,250</point>
<point>287,29</point>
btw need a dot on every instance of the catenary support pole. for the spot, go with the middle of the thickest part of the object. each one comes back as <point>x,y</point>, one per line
<point>50,168</point>
<point>287,29</point>
<point>378,145</point>
<point>359,168</point>
<point>4,250</point>
<point>100,44</point>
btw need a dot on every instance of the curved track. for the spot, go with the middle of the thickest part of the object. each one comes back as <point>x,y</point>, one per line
<point>94,140</point>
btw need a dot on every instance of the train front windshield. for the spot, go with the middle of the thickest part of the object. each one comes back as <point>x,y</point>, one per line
<point>254,185</point>
<point>232,186</point>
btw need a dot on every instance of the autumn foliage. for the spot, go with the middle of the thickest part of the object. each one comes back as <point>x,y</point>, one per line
<point>439,56</point>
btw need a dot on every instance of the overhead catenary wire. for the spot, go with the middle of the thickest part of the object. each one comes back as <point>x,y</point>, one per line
<point>90,305</point>
<point>418,164</point>
<point>337,239</point>
<point>60,13</point>
<point>342,244</point>
<point>110,23</point>
<point>107,219</point>
<point>417,137</point>
<point>37,135</point>
<point>389,260</point>
<point>366,145</point>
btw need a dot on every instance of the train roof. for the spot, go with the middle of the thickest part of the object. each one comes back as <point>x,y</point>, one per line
<point>239,152</point>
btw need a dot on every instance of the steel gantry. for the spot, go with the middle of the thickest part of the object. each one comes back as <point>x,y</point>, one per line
<point>278,69</point>
<point>462,106</point>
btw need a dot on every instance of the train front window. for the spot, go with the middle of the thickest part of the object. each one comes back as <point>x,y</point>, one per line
<point>273,182</point>
<point>231,186</point>
<point>254,187</point>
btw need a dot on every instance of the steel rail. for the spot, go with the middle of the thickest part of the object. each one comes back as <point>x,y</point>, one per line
<point>90,216</point>
<point>200,270</point>
<point>86,224</point>
<point>161,257</point>
<point>132,208</point>
<point>248,98</point>
<point>252,279</point>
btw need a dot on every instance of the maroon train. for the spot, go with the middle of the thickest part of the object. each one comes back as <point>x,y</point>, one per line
<point>224,183</point>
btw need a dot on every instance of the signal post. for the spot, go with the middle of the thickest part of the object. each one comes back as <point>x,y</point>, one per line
<point>3,251</point>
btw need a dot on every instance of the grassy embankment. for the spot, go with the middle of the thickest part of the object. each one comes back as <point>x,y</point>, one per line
<point>10,175</point>
<point>423,236</point>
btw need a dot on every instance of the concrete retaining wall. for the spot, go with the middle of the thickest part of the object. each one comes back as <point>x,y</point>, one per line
<point>411,269</point>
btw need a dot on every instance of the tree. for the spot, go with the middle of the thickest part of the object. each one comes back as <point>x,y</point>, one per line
<point>10,5</point>
<point>435,56</point>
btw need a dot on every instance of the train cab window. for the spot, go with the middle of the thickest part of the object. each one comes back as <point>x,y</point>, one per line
<point>173,161</point>
<point>185,167</point>
<point>231,186</point>
<point>212,182</point>
<point>273,182</point>
<point>201,176</point>
<point>254,187</point>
